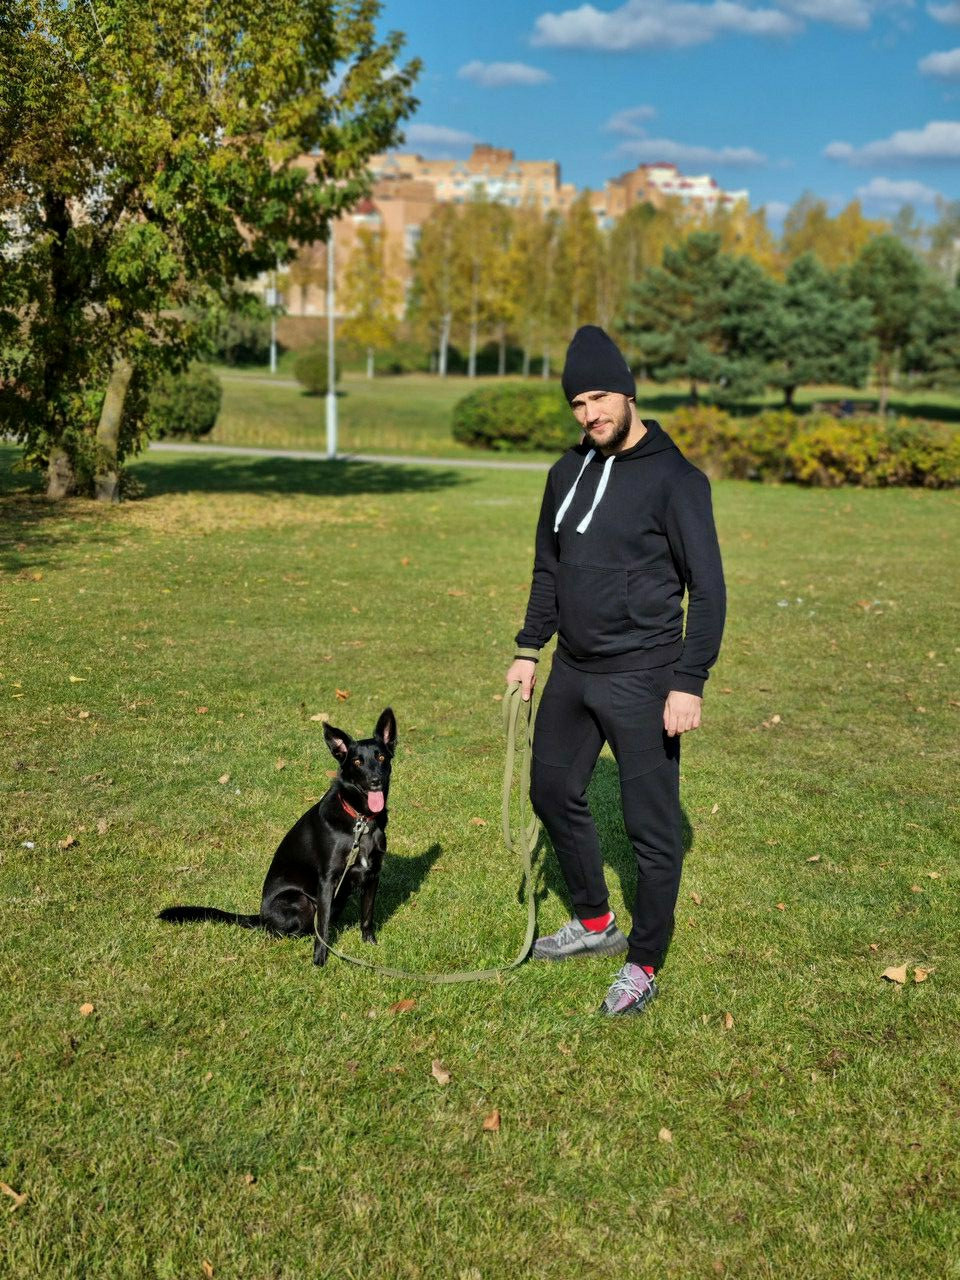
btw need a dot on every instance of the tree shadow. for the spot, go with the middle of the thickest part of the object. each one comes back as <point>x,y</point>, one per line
<point>400,879</point>
<point>210,473</point>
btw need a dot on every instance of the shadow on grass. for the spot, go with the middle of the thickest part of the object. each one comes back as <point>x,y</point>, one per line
<point>604,797</point>
<point>400,880</point>
<point>210,473</point>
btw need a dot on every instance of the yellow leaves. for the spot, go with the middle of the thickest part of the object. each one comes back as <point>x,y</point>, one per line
<point>15,1196</point>
<point>342,694</point>
<point>78,679</point>
<point>728,1021</point>
<point>202,711</point>
<point>207,1269</point>
<point>815,858</point>
<point>781,906</point>
<point>478,822</point>
<point>224,779</point>
<point>491,1123</point>
<point>403,1006</point>
<point>695,898</point>
<point>439,1072</point>
<point>665,1135</point>
<point>279,764</point>
<point>322,717</point>
<point>895,973</point>
<point>921,975</point>
<point>715,809</point>
<point>67,842</point>
<point>86,1010</point>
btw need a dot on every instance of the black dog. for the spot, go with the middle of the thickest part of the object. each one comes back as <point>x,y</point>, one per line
<point>306,883</point>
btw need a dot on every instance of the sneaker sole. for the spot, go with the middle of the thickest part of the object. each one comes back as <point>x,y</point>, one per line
<point>616,948</point>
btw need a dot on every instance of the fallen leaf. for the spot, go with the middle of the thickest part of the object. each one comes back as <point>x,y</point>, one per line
<point>695,897</point>
<point>815,858</point>
<point>67,842</point>
<point>15,1196</point>
<point>454,592</point>
<point>78,679</point>
<point>774,719</point>
<point>86,1010</point>
<point>715,809</point>
<point>915,888</point>
<point>934,875</point>
<point>781,906</point>
<point>491,1123</point>
<point>224,779</point>
<point>478,822</point>
<point>280,764</point>
<point>249,1179</point>
<point>101,826</point>
<point>665,1135</point>
<point>321,715</point>
<point>208,1077</point>
<point>439,1072</point>
<point>352,1065</point>
<point>728,1021</point>
<point>202,711</point>
<point>83,715</point>
<point>874,946</point>
<point>921,975</point>
<point>404,560</point>
<point>403,1006</point>
<point>342,694</point>
<point>896,974</point>
<point>207,1269</point>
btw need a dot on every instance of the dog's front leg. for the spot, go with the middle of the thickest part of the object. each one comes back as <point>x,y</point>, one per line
<point>322,924</point>
<point>367,898</point>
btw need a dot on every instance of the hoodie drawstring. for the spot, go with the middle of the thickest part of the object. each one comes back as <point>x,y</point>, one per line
<point>604,478</point>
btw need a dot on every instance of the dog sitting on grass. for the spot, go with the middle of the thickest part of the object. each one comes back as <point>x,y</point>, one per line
<point>306,888</point>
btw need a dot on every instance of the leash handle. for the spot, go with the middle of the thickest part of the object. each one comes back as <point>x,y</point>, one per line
<point>520,838</point>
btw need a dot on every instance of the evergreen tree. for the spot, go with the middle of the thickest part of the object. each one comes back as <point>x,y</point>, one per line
<point>890,277</point>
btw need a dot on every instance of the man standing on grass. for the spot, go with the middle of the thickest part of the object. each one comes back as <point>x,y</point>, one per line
<point>625,527</point>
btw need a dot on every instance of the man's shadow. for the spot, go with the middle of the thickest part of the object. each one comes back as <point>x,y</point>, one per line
<point>603,796</point>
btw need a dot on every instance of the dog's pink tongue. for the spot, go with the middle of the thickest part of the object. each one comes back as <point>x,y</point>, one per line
<point>374,801</point>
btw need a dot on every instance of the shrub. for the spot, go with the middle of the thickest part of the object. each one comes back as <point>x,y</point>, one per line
<point>184,404</point>
<point>310,370</point>
<point>243,339</point>
<point>515,416</point>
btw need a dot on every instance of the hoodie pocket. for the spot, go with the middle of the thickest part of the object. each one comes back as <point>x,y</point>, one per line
<point>593,609</point>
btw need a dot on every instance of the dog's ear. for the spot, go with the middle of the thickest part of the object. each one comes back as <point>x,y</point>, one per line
<point>386,730</point>
<point>339,742</point>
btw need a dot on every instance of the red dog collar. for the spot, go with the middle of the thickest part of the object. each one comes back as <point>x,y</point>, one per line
<point>365,817</point>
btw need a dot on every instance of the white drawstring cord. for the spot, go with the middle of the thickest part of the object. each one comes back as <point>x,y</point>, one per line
<point>598,495</point>
<point>569,498</point>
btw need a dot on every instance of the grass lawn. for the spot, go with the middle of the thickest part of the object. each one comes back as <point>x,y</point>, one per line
<point>227,1109</point>
<point>411,414</point>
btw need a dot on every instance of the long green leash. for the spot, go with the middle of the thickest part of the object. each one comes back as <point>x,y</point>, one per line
<point>520,832</point>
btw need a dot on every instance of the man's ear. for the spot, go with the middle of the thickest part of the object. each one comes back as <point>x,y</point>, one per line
<point>338,742</point>
<point>386,730</point>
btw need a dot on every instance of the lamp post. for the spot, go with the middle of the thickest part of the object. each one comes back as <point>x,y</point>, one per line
<point>331,355</point>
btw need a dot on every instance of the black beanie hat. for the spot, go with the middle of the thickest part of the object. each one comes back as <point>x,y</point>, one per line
<point>595,363</point>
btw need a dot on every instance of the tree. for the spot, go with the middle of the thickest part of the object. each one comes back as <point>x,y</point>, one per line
<point>701,317</point>
<point>434,297</point>
<point>816,332</point>
<point>945,241</point>
<point>808,228</point>
<point>152,153</point>
<point>932,355</point>
<point>890,277</point>
<point>371,293</point>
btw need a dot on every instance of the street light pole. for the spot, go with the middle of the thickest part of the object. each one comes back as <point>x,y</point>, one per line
<point>331,354</point>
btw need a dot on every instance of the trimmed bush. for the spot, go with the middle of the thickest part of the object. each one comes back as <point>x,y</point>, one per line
<point>515,416</point>
<point>243,339</point>
<point>184,404</point>
<point>310,370</point>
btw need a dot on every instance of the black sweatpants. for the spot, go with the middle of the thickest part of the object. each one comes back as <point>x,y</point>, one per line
<point>578,712</point>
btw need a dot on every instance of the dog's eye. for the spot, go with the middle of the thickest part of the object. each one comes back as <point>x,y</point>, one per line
<point>356,761</point>
<point>380,756</point>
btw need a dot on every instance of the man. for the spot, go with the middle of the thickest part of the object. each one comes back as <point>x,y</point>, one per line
<point>625,527</point>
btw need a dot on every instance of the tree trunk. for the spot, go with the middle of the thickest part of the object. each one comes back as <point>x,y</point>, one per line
<point>883,378</point>
<point>694,395</point>
<point>61,478</point>
<point>444,344</point>
<point>107,479</point>
<point>788,394</point>
<point>472,358</point>
<point>526,360</point>
<point>502,356</point>
<point>369,362</point>
<point>545,371</point>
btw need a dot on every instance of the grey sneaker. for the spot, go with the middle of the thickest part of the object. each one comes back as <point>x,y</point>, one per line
<point>575,939</point>
<point>631,991</point>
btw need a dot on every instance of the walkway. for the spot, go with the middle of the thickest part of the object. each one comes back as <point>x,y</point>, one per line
<point>317,455</point>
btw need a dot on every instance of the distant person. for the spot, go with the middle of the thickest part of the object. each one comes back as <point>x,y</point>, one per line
<point>626,526</point>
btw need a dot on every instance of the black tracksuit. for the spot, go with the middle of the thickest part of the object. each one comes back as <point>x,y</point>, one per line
<point>613,593</point>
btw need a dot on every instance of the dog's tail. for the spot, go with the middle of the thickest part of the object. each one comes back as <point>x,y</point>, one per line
<point>189,915</point>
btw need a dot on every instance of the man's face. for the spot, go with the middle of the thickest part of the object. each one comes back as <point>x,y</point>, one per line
<point>604,416</point>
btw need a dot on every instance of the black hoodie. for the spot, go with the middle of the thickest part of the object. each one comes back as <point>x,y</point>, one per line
<point>613,593</point>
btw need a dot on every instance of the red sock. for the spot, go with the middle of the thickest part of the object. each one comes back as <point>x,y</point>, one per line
<point>597,924</point>
<point>647,969</point>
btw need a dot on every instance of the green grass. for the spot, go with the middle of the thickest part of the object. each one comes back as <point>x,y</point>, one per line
<point>225,1102</point>
<point>411,414</point>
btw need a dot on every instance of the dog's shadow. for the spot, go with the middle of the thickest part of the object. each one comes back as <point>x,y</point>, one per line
<point>400,879</point>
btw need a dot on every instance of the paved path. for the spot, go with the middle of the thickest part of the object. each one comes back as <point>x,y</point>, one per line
<point>318,455</point>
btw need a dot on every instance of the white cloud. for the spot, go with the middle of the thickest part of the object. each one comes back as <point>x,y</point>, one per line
<point>776,210</point>
<point>887,192</point>
<point>938,140</point>
<point>499,75</point>
<point>843,13</point>
<point>946,64</point>
<point>945,12</point>
<point>649,24</point>
<point>431,136</point>
<point>685,155</point>
<point>630,121</point>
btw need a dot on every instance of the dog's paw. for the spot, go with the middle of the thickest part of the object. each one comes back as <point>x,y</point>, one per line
<point>370,937</point>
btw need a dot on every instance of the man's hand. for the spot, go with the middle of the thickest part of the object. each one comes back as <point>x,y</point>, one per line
<point>681,712</point>
<point>523,671</point>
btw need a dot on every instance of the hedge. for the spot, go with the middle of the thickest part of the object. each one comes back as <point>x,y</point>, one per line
<point>184,404</point>
<point>774,445</point>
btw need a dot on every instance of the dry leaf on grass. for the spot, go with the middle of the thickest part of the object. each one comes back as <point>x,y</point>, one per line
<point>491,1123</point>
<point>15,1196</point>
<point>915,888</point>
<point>695,897</point>
<point>202,711</point>
<point>280,764</point>
<point>921,975</point>
<point>439,1072</point>
<point>728,1021</point>
<point>934,875</point>
<point>86,1010</point>
<point>78,679</point>
<point>665,1135</point>
<point>478,822</point>
<point>321,715</point>
<point>895,973</point>
<point>403,1006</point>
<point>781,906</point>
<point>224,779</point>
<point>207,1269</point>
<point>67,842</point>
<point>715,809</point>
<point>249,1179</point>
<point>342,694</point>
<point>815,858</point>
<point>101,826</point>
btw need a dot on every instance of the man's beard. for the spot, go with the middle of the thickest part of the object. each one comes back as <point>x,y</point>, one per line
<point>621,429</point>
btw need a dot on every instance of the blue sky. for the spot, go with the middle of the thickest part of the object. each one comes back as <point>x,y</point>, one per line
<point>844,98</point>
